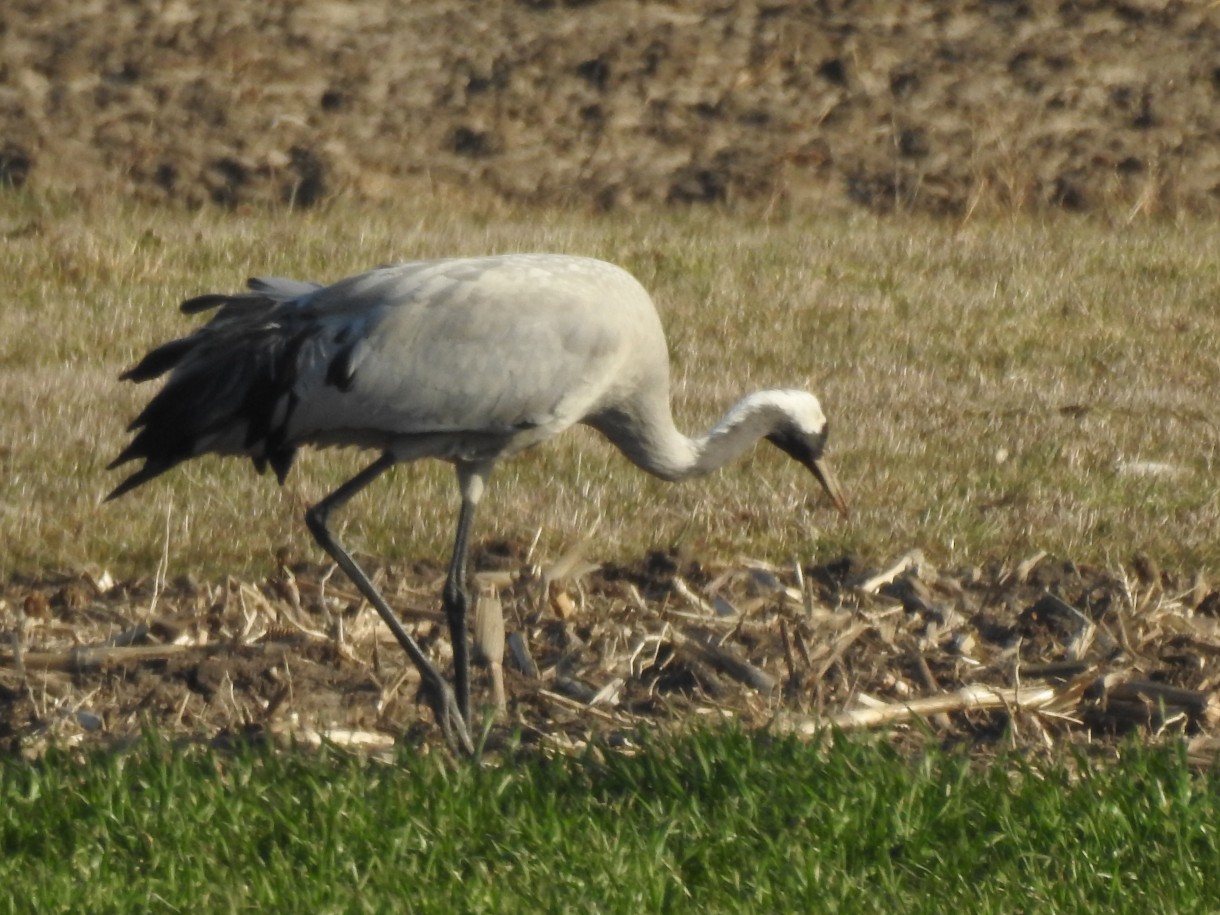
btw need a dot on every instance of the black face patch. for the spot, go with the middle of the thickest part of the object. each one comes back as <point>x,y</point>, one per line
<point>802,446</point>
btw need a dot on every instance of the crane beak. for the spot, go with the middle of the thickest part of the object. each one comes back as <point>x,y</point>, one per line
<point>820,469</point>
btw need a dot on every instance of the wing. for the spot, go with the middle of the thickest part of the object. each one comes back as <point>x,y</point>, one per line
<point>493,347</point>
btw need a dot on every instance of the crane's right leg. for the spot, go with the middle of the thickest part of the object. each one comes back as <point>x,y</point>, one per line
<point>444,703</point>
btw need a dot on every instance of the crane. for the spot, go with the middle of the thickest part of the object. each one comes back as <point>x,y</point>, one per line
<point>468,360</point>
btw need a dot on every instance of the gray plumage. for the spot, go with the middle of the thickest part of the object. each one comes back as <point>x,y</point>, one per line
<point>466,359</point>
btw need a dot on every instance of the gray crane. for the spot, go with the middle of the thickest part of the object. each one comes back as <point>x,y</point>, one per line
<point>465,359</point>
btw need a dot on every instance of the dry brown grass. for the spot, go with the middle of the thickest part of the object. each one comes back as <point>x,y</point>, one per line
<point>990,385</point>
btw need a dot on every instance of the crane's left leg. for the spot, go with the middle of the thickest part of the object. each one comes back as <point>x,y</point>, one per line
<point>456,600</point>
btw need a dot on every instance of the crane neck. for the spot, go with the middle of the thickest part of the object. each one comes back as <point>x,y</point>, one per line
<point>650,439</point>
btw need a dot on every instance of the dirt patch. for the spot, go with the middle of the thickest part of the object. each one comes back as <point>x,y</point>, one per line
<point>1037,654</point>
<point>930,107</point>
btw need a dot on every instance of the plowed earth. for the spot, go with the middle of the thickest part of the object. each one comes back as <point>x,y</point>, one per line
<point>935,107</point>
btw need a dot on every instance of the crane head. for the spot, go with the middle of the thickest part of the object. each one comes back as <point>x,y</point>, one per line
<point>805,445</point>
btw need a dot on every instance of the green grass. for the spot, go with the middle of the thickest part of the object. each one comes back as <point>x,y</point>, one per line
<point>710,822</point>
<point>986,384</point>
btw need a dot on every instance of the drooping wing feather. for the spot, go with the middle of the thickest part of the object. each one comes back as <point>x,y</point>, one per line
<point>262,289</point>
<point>226,378</point>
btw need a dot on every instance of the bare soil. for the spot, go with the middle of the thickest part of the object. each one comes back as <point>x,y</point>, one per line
<point>1034,655</point>
<point>933,107</point>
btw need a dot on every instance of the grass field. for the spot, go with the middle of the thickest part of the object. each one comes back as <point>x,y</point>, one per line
<point>709,823</point>
<point>993,388</point>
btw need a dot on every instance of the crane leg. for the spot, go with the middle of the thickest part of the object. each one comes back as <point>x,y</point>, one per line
<point>449,714</point>
<point>456,600</point>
